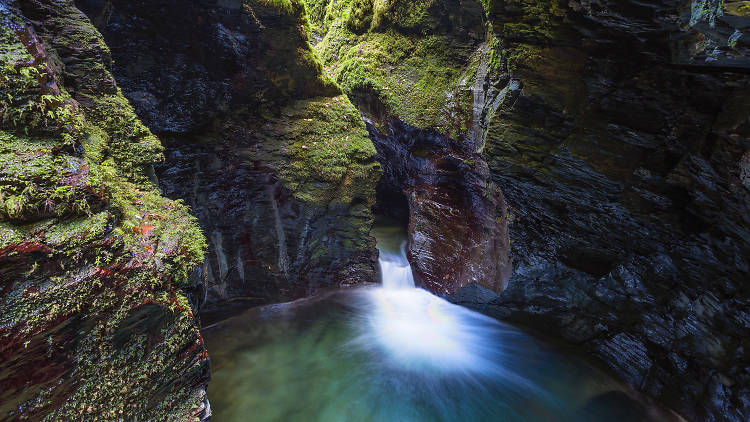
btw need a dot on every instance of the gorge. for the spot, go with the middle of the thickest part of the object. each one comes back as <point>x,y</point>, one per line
<point>572,178</point>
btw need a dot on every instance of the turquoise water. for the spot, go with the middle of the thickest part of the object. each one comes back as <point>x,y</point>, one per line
<point>397,353</point>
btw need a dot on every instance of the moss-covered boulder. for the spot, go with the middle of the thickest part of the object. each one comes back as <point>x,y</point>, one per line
<point>95,265</point>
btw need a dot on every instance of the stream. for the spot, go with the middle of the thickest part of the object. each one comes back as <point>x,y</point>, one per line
<point>399,353</point>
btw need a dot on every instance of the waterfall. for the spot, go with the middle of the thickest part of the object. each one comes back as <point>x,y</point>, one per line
<point>419,330</point>
<point>395,269</point>
<point>398,353</point>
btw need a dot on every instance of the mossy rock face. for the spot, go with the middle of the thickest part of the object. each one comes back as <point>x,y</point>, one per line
<point>89,249</point>
<point>328,143</point>
<point>426,70</point>
<point>414,61</point>
<point>275,162</point>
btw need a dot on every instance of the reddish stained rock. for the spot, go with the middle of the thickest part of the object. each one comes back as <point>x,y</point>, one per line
<point>47,78</point>
<point>455,244</point>
<point>28,246</point>
<point>78,178</point>
<point>69,282</point>
<point>38,363</point>
<point>143,229</point>
<point>458,233</point>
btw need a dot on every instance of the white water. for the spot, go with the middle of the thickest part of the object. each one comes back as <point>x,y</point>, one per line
<point>395,269</point>
<point>417,329</point>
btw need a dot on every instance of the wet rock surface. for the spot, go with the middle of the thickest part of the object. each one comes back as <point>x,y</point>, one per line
<point>266,244</point>
<point>619,135</point>
<point>274,162</point>
<point>456,215</point>
<point>618,132</point>
<point>418,73</point>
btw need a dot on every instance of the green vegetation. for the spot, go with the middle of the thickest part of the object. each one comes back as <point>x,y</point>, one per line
<point>293,70</point>
<point>418,62</point>
<point>99,262</point>
<point>313,135</point>
<point>328,143</point>
<point>90,249</point>
<point>737,8</point>
<point>392,59</point>
<point>282,5</point>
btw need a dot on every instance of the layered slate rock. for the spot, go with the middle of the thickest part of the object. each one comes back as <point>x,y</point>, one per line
<point>417,71</point>
<point>96,267</point>
<point>621,145</point>
<point>274,161</point>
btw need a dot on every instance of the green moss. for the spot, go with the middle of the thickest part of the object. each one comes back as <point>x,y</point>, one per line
<point>293,69</point>
<point>316,11</point>
<point>36,178</point>
<point>23,105</point>
<point>522,56</point>
<point>10,234</point>
<point>409,65</point>
<point>91,243</point>
<point>119,135</point>
<point>76,232</point>
<point>737,8</point>
<point>392,54</point>
<point>411,78</point>
<point>282,5</point>
<point>360,17</point>
<point>328,145</point>
<point>406,14</point>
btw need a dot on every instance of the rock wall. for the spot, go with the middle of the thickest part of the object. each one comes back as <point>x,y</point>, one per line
<point>97,269</point>
<point>618,132</point>
<point>416,71</point>
<point>456,216</point>
<point>274,161</point>
<point>621,146</point>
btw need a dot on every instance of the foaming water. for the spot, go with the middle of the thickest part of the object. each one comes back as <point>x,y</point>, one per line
<point>395,269</point>
<point>398,353</point>
<point>420,332</point>
<point>418,329</point>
